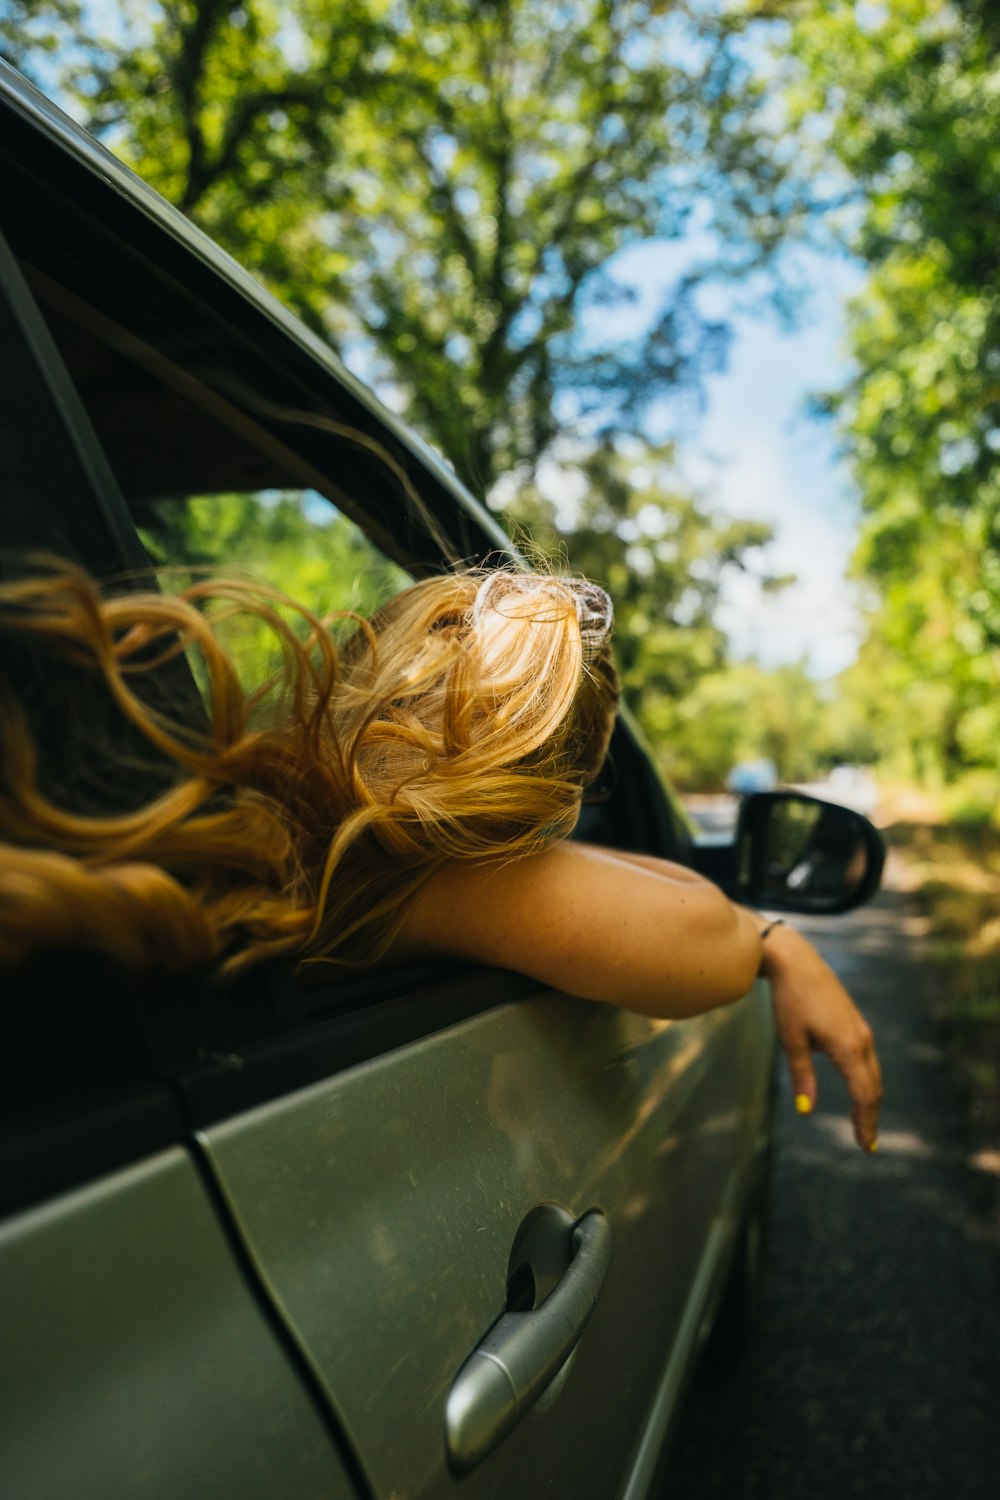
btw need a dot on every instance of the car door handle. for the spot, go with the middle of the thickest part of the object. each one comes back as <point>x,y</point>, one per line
<point>524,1351</point>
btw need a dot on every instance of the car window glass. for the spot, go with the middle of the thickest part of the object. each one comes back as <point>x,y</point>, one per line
<point>210,491</point>
<point>292,540</point>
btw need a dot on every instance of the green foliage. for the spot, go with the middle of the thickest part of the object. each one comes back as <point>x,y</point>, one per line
<point>974,800</point>
<point>293,541</point>
<point>442,188</point>
<point>32,32</point>
<point>664,557</point>
<point>745,713</point>
<point>907,94</point>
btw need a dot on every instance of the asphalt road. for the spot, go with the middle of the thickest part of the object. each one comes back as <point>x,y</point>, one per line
<point>876,1369</point>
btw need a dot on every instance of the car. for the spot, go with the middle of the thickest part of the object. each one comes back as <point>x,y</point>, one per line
<point>423,1231</point>
<point>750,776</point>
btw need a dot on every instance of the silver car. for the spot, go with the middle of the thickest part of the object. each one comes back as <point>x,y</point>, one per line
<point>429,1231</point>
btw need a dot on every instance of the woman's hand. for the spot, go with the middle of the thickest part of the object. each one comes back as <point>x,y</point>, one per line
<point>814,1013</point>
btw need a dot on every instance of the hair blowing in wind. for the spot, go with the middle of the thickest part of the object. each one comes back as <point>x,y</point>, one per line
<point>462,722</point>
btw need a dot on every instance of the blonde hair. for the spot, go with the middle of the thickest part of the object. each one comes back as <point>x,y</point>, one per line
<point>462,722</point>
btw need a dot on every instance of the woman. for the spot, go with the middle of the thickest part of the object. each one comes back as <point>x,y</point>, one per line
<point>408,795</point>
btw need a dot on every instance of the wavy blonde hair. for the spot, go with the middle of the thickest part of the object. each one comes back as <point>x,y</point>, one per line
<point>461,722</point>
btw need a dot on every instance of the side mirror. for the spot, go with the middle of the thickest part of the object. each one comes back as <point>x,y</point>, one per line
<point>796,853</point>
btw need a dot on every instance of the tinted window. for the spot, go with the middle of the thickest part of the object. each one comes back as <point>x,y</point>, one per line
<point>209,488</point>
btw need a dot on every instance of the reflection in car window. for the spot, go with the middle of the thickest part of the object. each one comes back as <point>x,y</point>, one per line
<point>209,488</point>
<point>294,540</point>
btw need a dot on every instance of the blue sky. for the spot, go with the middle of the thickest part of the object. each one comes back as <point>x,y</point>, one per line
<point>759,455</point>
<point>753,452</point>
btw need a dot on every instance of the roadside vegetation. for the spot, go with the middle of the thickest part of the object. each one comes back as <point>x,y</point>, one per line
<point>908,90</point>
<point>954,870</point>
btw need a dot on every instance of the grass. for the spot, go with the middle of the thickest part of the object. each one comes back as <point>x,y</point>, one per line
<point>956,874</point>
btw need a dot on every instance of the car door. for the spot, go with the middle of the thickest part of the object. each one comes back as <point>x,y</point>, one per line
<point>404,1159</point>
<point>385,1204</point>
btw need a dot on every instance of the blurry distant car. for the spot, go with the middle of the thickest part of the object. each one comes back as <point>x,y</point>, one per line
<point>750,776</point>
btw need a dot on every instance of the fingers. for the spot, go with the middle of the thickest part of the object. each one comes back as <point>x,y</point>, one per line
<point>801,1071</point>
<point>858,1062</point>
<point>814,1013</point>
<point>855,1058</point>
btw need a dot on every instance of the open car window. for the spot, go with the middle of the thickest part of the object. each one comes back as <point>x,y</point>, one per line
<point>219,477</point>
<point>219,485</point>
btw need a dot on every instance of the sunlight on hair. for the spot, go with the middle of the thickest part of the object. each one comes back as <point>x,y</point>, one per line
<point>303,816</point>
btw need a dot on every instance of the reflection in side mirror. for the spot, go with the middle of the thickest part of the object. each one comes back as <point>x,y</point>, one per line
<point>795,853</point>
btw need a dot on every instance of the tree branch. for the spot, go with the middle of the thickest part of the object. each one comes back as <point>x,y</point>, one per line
<point>195,39</point>
<point>452,217</point>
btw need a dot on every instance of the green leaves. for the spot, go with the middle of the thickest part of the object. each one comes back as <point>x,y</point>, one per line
<point>442,188</point>
<point>663,556</point>
<point>909,97</point>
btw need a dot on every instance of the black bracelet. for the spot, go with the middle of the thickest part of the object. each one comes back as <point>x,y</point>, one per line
<point>778,922</point>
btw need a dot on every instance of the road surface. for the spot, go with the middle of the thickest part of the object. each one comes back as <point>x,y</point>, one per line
<point>876,1370</point>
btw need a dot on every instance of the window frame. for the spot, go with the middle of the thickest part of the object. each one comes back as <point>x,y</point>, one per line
<point>66,1026</point>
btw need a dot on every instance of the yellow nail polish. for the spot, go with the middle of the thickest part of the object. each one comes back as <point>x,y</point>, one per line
<point>803,1104</point>
<point>873,1146</point>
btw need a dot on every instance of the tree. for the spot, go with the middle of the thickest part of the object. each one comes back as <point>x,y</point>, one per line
<point>442,187</point>
<point>744,713</point>
<point>663,555</point>
<point>903,98</point>
<point>35,33</point>
<point>286,539</point>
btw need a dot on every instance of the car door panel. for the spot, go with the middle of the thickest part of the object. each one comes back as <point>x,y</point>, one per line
<point>382,1206</point>
<point>136,1361</point>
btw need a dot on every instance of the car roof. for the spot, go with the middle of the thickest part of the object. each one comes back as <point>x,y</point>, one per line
<point>84,156</point>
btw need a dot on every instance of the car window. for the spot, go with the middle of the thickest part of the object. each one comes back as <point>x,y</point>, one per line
<point>218,476</point>
<point>209,489</point>
<point>291,539</point>
<point>211,486</point>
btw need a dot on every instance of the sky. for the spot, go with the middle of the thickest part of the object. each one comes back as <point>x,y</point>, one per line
<point>754,453</point>
<point>772,462</point>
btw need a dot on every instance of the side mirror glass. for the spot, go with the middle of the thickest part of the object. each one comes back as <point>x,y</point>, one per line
<point>795,853</point>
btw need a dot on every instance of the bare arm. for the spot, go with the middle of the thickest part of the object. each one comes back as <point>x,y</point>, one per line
<point>594,924</point>
<point>813,1013</point>
<point>649,936</point>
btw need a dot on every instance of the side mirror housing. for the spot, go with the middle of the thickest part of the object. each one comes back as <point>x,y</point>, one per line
<point>797,853</point>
